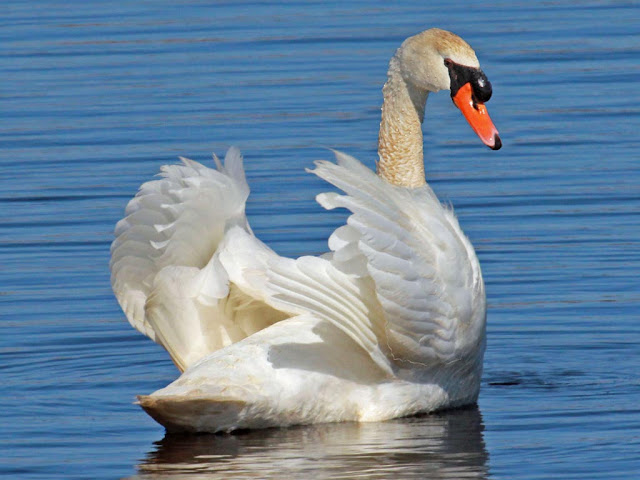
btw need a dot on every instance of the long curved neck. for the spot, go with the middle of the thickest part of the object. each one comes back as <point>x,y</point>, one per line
<point>400,139</point>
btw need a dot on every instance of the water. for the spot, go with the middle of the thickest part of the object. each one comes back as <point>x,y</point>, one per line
<point>95,97</point>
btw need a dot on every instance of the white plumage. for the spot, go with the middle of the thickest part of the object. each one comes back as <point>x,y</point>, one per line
<point>390,322</point>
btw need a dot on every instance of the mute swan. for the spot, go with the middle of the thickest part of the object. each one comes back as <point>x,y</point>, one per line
<point>390,323</point>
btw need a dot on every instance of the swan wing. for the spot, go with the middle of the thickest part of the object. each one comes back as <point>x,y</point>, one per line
<point>165,265</point>
<point>313,285</point>
<point>426,275</point>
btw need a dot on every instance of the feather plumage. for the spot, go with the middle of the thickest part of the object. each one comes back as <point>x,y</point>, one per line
<point>390,322</point>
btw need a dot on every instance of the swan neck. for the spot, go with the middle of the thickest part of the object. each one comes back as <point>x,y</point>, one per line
<point>400,148</point>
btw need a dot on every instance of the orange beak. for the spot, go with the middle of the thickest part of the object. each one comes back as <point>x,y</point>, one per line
<point>477,116</point>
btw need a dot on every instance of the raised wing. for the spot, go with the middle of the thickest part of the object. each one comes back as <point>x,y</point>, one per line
<point>427,277</point>
<point>165,266</point>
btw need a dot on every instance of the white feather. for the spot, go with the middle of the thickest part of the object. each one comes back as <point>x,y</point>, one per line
<point>399,300</point>
<point>417,279</point>
<point>165,270</point>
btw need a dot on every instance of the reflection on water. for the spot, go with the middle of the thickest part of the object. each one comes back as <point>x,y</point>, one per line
<point>446,445</point>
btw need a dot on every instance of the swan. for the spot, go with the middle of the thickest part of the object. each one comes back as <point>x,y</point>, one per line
<point>389,323</point>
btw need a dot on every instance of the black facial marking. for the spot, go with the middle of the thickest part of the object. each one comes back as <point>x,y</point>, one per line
<point>461,74</point>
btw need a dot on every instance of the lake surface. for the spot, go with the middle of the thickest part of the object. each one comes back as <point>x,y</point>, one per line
<point>96,96</point>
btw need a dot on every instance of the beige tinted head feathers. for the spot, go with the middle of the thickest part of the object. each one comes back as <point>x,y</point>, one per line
<point>421,58</point>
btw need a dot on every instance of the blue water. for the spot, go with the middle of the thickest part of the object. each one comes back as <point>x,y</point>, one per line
<point>96,96</point>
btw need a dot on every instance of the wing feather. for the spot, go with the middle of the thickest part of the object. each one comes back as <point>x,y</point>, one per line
<point>165,260</point>
<point>402,280</point>
<point>426,276</point>
<point>313,285</point>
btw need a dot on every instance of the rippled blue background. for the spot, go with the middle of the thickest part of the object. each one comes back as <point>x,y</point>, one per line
<point>95,96</point>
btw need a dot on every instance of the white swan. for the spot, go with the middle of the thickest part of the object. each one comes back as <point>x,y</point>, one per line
<point>391,322</point>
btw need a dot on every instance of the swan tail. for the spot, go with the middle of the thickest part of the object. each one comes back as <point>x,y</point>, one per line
<point>179,413</point>
<point>164,267</point>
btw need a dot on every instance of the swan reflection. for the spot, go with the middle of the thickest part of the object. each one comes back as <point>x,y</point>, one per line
<point>440,446</point>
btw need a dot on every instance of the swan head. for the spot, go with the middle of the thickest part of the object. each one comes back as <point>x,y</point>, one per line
<point>437,60</point>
